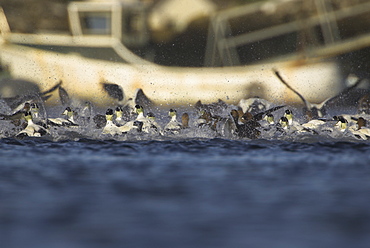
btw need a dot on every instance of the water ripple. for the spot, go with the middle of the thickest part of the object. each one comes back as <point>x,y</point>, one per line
<point>184,193</point>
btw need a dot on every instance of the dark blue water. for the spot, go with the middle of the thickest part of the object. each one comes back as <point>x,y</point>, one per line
<point>184,193</point>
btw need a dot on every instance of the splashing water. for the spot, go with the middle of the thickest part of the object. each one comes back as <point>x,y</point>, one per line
<point>88,129</point>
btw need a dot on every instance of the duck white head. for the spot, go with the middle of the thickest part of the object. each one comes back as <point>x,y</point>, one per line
<point>28,117</point>
<point>139,111</point>
<point>284,122</point>
<point>342,123</point>
<point>119,113</point>
<point>289,115</point>
<point>270,119</point>
<point>173,114</point>
<point>151,116</point>
<point>109,115</point>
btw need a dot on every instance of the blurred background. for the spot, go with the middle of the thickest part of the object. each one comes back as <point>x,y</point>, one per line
<point>197,33</point>
<point>178,30</point>
<point>52,14</point>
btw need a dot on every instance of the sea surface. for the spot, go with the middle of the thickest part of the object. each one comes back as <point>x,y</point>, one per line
<point>188,192</point>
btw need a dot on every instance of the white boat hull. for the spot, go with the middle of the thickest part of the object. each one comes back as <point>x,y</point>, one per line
<point>82,78</point>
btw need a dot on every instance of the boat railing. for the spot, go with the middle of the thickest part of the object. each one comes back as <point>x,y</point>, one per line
<point>4,25</point>
<point>223,43</point>
<point>79,37</point>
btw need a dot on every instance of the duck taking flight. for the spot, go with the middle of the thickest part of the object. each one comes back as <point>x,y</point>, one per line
<point>247,129</point>
<point>66,122</point>
<point>311,110</point>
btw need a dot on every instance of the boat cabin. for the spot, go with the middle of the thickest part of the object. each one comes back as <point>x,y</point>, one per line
<point>121,19</point>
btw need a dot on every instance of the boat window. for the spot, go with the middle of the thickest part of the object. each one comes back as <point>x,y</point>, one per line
<point>96,23</point>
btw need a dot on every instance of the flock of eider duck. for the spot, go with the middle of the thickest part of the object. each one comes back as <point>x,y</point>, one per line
<point>253,118</point>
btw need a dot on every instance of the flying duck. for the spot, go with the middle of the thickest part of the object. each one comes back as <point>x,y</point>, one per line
<point>315,111</point>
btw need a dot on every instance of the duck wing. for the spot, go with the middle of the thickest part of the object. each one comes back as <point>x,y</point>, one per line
<point>16,116</point>
<point>306,103</point>
<point>99,120</point>
<point>64,96</point>
<point>143,100</point>
<point>45,95</point>
<point>114,90</point>
<point>52,88</point>
<point>259,116</point>
<point>347,90</point>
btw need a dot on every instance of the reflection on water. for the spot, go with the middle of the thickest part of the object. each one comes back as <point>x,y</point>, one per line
<point>184,193</point>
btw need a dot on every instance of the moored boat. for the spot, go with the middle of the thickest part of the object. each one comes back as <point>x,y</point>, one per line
<point>47,58</point>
